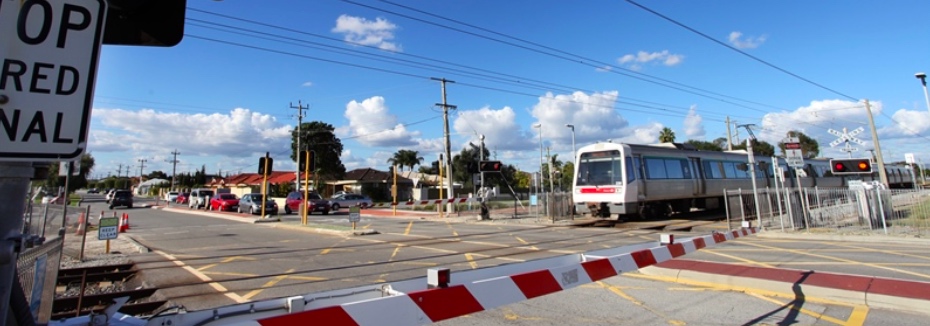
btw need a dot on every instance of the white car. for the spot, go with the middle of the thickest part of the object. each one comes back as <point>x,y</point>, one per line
<point>349,200</point>
<point>171,196</point>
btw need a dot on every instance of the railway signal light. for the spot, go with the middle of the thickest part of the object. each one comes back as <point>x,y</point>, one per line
<point>490,166</point>
<point>851,166</point>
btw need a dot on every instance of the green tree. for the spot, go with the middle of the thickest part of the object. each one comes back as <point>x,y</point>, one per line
<point>704,145</point>
<point>157,175</point>
<point>320,138</point>
<point>758,147</point>
<point>406,158</point>
<point>78,178</point>
<point>721,142</point>
<point>809,146</point>
<point>666,135</point>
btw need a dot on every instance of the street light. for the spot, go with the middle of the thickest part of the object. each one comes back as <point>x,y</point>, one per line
<point>923,80</point>
<point>573,143</point>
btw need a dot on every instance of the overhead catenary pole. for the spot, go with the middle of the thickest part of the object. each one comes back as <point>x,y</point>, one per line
<point>300,121</point>
<point>729,137</point>
<point>141,168</point>
<point>445,133</point>
<point>878,147</point>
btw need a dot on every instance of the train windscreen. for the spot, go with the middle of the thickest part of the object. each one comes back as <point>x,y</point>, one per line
<point>599,169</point>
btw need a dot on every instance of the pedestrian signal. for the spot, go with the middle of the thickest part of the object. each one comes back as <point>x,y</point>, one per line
<point>489,166</point>
<point>851,166</point>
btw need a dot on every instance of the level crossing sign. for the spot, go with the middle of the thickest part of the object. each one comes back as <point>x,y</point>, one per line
<point>794,156</point>
<point>48,67</point>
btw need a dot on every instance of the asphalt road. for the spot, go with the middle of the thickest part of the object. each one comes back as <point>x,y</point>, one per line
<point>204,262</point>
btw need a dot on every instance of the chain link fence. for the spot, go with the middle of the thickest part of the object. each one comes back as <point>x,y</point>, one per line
<point>861,210</point>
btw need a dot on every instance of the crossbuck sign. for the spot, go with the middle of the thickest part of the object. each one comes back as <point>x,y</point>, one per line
<point>49,58</point>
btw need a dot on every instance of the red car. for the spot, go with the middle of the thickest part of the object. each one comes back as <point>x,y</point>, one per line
<point>315,204</point>
<point>224,202</point>
<point>182,198</point>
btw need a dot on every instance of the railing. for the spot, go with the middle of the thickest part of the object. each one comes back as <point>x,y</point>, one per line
<point>866,210</point>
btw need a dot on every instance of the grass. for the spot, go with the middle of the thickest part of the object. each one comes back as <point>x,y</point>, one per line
<point>916,215</point>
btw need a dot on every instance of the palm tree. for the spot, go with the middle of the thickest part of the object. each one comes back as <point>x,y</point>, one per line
<point>397,159</point>
<point>411,158</point>
<point>666,135</point>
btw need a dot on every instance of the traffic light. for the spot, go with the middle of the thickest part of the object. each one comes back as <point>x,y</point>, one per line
<point>145,22</point>
<point>307,157</point>
<point>489,166</point>
<point>262,164</point>
<point>851,166</point>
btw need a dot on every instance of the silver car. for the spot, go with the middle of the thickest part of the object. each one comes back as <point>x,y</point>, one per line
<point>250,203</point>
<point>349,200</point>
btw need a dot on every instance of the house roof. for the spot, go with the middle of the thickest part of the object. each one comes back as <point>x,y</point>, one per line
<point>372,175</point>
<point>253,179</point>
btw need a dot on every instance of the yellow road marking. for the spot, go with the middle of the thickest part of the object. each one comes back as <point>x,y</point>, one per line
<point>893,252</point>
<point>230,274</point>
<point>268,284</point>
<point>366,226</point>
<point>620,293</point>
<point>409,226</point>
<point>202,277</point>
<point>471,261</point>
<point>510,315</point>
<point>859,311</point>
<point>227,260</point>
<point>800,309</point>
<point>396,249</point>
<point>750,262</point>
<point>521,240</point>
<point>839,259</point>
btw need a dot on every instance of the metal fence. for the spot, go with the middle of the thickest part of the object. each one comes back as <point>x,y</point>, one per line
<point>865,210</point>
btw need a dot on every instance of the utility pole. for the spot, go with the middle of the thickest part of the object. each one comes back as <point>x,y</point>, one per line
<point>481,173</point>
<point>141,167</point>
<point>878,147</point>
<point>729,137</point>
<point>300,121</point>
<point>174,166</point>
<point>445,133</point>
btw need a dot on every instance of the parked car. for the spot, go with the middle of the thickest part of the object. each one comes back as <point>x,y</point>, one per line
<point>121,198</point>
<point>198,198</point>
<point>109,195</point>
<point>250,203</point>
<point>349,200</point>
<point>93,191</point>
<point>224,202</point>
<point>316,203</point>
<point>171,196</point>
<point>182,198</point>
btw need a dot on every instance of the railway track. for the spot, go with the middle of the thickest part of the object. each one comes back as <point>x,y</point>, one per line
<point>81,291</point>
<point>686,222</point>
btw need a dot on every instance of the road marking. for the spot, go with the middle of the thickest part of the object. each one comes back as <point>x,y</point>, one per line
<point>450,228</point>
<point>396,249</point>
<point>268,284</point>
<point>726,287</point>
<point>839,259</point>
<point>231,274</point>
<point>619,292</point>
<point>748,261</point>
<point>802,310</point>
<point>893,252</point>
<point>510,315</point>
<point>409,226</point>
<point>471,261</point>
<point>202,277</point>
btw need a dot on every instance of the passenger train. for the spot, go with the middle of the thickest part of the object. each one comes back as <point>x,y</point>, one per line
<point>657,180</point>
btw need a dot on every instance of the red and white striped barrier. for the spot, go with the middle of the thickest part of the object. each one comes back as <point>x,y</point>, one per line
<point>426,202</point>
<point>433,305</point>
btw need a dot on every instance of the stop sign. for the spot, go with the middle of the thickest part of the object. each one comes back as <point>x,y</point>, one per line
<point>49,63</point>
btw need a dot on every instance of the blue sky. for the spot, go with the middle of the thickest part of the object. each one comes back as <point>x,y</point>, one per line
<point>613,69</point>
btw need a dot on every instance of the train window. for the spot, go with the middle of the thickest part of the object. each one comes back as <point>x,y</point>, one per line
<point>655,168</point>
<point>713,170</point>
<point>597,168</point>
<point>729,170</point>
<point>631,169</point>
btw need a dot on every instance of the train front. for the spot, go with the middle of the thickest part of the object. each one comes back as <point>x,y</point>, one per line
<point>604,182</point>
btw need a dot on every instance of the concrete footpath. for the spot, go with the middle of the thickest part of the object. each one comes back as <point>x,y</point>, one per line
<point>875,271</point>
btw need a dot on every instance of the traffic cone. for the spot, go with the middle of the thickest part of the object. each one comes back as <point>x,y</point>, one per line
<point>126,221</point>
<point>81,224</point>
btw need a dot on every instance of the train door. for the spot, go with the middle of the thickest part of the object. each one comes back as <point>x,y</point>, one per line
<point>698,176</point>
<point>637,167</point>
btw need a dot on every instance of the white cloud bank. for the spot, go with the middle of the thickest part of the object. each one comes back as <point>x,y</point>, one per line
<point>361,31</point>
<point>636,61</point>
<point>736,38</point>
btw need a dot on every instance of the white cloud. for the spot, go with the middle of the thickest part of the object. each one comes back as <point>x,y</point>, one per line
<point>498,126</point>
<point>694,126</point>
<point>237,134</point>
<point>358,30</point>
<point>594,118</point>
<point>307,84</point>
<point>370,121</point>
<point>748,42</point>
<point>635,61</point>
<point>816,119</point>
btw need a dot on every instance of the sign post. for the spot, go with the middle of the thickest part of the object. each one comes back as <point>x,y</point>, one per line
<point>108,230</point>
<point>49,53</point>
<point>355,215</point>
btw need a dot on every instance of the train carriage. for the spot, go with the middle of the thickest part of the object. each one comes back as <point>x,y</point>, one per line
<point>616,179</point>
